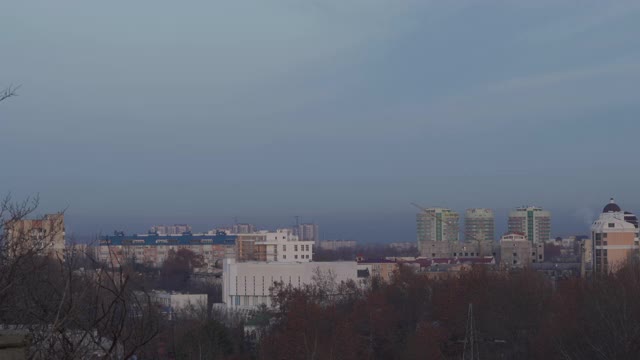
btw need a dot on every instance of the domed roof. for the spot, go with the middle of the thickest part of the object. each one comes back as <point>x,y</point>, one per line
<point>611,207</point>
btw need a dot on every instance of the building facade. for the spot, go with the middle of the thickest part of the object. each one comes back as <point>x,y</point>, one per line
<point>337,244</point>
<point>533,222</point>
<point>383,269</point>
<point>280,245</point>
<point>437,224</point>
<point>152,249</point>
<point>243,229</point>
<point>172,303</point>
<point>458,249</point>
<point>171,229</point>
<point>308,232</point>
<point>615,239</point>
<point>517,251</point>
<point>44,236</point>
<point>247,285</point>
<point>479,224</point>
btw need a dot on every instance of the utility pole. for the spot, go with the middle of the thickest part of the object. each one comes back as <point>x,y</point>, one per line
<point>470,351</point>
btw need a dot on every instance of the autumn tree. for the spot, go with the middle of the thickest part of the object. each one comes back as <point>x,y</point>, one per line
<point>178,268</point>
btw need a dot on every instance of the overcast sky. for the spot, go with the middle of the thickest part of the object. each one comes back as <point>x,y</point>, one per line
<point>340,111</point>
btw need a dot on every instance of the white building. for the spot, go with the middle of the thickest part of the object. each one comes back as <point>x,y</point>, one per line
<point>246,285</point>
<point>532,222</point>
<point>280,245</point>
<point>171,302</point>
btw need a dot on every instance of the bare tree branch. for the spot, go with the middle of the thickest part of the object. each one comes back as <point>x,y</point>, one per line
<point>9,92</point>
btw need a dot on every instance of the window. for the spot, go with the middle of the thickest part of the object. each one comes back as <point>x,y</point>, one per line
<point>540,257</point>
<point>455,254</point>
<point>295,256</point>
<point>295,247</point>
<point>533,254</point>
<point>612,225</point>
<point>284,256</point>
<point>284,247</point>
<point>516,255</point>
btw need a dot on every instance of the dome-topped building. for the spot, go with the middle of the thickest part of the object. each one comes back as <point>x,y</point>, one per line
<point>611,207</point>
<point>615,238</point>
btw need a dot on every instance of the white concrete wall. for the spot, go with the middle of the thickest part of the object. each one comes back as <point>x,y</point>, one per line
<point>247,284</point>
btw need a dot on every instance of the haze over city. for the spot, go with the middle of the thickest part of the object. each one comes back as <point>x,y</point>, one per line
<point>343,112</point>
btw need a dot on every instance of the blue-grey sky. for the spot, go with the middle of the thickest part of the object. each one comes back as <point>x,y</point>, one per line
<point>340,111</point>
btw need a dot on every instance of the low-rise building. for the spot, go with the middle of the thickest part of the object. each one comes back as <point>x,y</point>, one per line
<point>458,249</point>
<point>381,268</point>
<point>517,251</point>
<point>247,285</point>
<point>172,303</point>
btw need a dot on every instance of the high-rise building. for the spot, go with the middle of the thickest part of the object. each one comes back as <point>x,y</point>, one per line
<point>308,232</point>
<point>615,238</point>
<point>243,229</point>
<point>437,224</point>
<point>479,224</point>
<point>532,222</point>
<point>171,229</point>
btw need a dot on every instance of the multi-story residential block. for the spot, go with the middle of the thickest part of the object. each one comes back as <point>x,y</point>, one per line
<point>281,245</point>
<point>243,229</point>
<point>246,285</point>
<point>615,239</point>
<point>308,232</point>
<point>437,224</point>
<point>45,236</point>
<point>517,251</point>
<point>171,229</point>
<point>479,224</point>
<point>152,249</point>
<point>337,244</point>
<point>533,222</point>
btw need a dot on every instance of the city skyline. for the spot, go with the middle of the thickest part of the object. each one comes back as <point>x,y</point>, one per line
<point>383,227</point>
<point>335,111</point>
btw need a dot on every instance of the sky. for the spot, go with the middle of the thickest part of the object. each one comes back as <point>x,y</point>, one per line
<point>342,112</point>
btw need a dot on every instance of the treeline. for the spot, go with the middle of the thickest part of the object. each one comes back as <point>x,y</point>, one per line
<point>515,316</point>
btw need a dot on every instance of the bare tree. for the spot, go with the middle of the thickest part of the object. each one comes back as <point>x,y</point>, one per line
<point>9,92</point>
<point>70,312</point>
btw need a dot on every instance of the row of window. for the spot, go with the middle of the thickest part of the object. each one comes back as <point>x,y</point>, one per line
<point>295,257</point>
<point>295,247</point>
